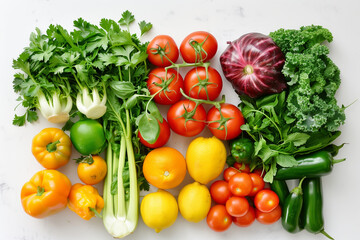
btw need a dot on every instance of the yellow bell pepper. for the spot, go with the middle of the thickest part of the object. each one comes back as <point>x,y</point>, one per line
<point>85,201</point>
<point>52,148</point>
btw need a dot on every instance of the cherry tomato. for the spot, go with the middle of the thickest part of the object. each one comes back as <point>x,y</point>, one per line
<point>92,170</point>
<point>220,191</point>
<point>266,200</point>
<point>167,89</point>
<point>259,171</point>
<point>162,51</point>
<point>228,125</point>
<point>242,167</point>
<point>191,126</point>
<point>163,138</point>
<point>229,172</point>
<point>268,217</point>
<point>198,47</point>
<point>258,183</point>
<point>218,219</point>
<point>246,220</point>
<point>201,86</point>
<point>240,184</point>
<point>237,206</point>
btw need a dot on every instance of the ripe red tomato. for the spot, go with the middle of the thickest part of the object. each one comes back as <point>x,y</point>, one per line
<point>162,51</point>
<point>240,184</point>
<point>258,184</point>
<point>163,138</point>
<point>229,172</point>
<point>220,191</point>
<point>218,219</point>
<point>229,129</point>
<point>199,85</point>
<point>237,206</point>
<point>259,171</point>
<point>268,217</point>
<point>266,200</point>
<point>242,167</point>
<point>246,220</point>
<point>191,126</point>
<point>198,47</point>
<point>167,89</point>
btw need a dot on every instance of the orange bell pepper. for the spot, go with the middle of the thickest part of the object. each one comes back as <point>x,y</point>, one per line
<point>85,201</point>
<point>46,193</point>
<point>52,148</point>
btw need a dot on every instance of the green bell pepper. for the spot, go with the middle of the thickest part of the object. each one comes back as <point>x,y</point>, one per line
<point>242,150</point>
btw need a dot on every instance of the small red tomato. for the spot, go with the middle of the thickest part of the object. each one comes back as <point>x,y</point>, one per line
<point>166,85</point>
<point>266,200</point>
<point>259,171</point>
<point>204,85</point>
<point>246,220</point>
<point>258,184</point>
<point>163,138</point>
<point>242,167</point>
<point>218,219</point>
<point>220,192</point>
<point>225,124</point>
<point>237,206</point>
<point>268,217</point>
<point>186,127</point>
<point>240,184</point>
<point>198,47</point>
<point>162,51</point>
<point>229,172</point>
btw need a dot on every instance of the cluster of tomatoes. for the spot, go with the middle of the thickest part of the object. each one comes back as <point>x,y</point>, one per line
<point>241,198</point>
<point>202,84</point>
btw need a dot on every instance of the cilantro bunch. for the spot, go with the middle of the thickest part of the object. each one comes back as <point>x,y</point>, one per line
<point>305,117</point>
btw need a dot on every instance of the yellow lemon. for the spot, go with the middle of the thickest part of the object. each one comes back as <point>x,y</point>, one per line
<point>159,210</point>
<point>194,202</point>
<point>205,159</point>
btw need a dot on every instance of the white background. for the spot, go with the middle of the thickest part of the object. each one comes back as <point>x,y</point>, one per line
<point>226,20</point>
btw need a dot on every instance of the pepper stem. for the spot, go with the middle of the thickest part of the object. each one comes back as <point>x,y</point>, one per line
<point>338,160</point>
<point>326,234</point>
<point>51,147</point>
<point>40,191</point>
<point>94,211</point>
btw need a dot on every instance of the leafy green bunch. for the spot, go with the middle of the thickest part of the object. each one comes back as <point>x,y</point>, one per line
<point>305,117</point>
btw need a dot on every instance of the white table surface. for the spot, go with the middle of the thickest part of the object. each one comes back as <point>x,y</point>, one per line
<point>226,20</point>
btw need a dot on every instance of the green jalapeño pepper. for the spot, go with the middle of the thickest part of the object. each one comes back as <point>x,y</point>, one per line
<point>311,217</point>
<point>312,165</point>
<point>242,150</point>
<point>291,210</point>
<point>281,189</point>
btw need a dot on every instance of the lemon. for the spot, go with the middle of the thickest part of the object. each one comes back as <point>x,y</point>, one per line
<point>205,159</point>
<point>159,210</point>
<point>194,202</point>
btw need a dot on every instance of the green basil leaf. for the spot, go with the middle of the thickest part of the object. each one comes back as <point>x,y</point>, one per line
<point>122,90</point>
<point>286,160</point>
<point>297,138</point>
<point>154,110</point>
<point>149,128</point>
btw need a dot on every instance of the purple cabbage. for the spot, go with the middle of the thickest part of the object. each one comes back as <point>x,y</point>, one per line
<point>253,65</point>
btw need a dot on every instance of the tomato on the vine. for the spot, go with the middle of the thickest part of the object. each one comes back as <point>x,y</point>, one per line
<point>185,120</point>
<point>162,51</point>
<point>246,220</point>
<point>220,191</point>
<point>229,172</point>
<point>163,138</point>
<point>240,184</point>
<point>268,217</point>
<point>225,125</point>
<point>166,88</point>
<point>237,206</point>
<point>266,200</point>
<point>198,46</point>
<point>201,85</point>
<point>218,219</point>
<point>258,184</point>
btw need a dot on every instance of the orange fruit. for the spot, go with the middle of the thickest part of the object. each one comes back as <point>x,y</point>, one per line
<point>164,167</point>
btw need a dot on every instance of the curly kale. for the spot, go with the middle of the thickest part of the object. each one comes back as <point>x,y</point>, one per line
<point>312,77</point>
